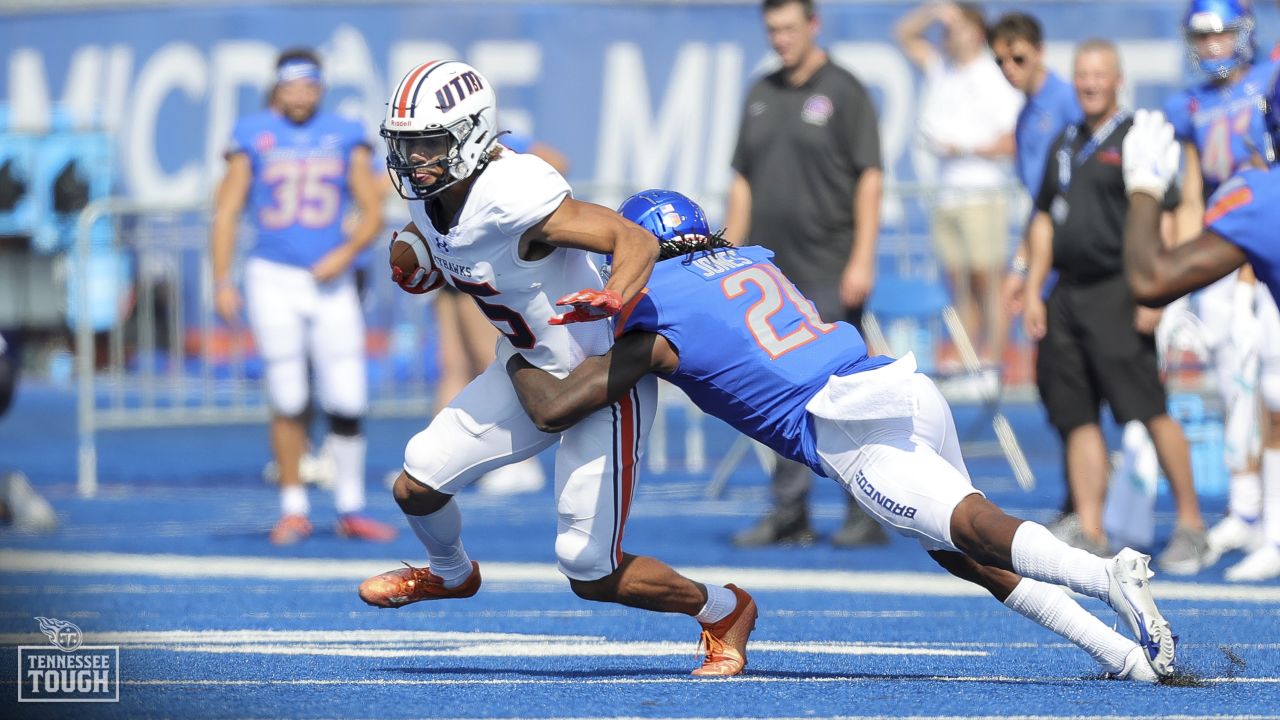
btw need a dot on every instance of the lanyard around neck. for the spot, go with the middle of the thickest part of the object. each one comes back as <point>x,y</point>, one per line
<point>1069,158</point>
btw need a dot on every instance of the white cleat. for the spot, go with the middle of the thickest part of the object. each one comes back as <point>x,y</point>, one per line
<point>1130,596</point>
<point>1136,668</point>
<point>1230,534</point>
<point>1261,564</point>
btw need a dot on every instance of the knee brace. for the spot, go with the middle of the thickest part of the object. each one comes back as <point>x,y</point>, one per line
<point>344,426</point>
<point>581,558</point>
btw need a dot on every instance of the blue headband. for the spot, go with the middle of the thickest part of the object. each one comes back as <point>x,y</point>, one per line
<point>298,70</point>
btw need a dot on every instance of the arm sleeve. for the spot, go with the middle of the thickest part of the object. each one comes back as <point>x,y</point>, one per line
<point>862,129</point>
<point>645,316</point>
<point>1049,183</point>
<point>532,191</point>
<point>242,142</point>
<point>1235,215</point>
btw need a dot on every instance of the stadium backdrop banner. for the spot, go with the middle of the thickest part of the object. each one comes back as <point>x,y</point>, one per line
<point>636,94</point>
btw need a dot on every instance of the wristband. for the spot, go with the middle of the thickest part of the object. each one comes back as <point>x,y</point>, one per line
<point>1018,266</point>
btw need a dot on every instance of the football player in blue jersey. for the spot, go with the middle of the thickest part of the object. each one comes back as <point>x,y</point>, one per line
<point>297,170</point>
<point>1239,228</point>
<point>1220,126</point>
<point>729,329</point>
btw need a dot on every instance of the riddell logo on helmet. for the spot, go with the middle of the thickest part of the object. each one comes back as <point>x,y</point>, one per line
<point>456,90</point>
<point>400,123</point>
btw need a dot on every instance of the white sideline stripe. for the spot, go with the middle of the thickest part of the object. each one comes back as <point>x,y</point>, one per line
<point>777,580</point>
<point>747,679</point>
<point>425,643</point>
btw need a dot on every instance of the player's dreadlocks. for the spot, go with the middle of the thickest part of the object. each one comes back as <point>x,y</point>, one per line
<point>687,245</point>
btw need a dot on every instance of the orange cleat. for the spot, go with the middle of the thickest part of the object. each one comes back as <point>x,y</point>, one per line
<point>726,641</point>
<point>362,527</point>
<point>410,585</point>
<point>290,529</point>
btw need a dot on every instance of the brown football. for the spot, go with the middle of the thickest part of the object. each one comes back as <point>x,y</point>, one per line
<point>410,252</point>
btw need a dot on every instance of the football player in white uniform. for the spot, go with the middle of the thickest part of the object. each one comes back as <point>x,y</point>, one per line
<point>503,228</point>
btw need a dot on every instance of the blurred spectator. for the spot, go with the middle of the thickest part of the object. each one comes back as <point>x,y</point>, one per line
<point>1095,343</point>
<point>297,169</point>
<point>807,184</point>
<point>1017,44</point>
<point>467,340</point>
<point>967,117</point>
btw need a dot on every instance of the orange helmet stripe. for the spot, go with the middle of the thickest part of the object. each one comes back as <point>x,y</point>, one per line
<point>402,105</point>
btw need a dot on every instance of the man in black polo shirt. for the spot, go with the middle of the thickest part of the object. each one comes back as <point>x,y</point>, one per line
<point>807,184</point>
<point>1095,344</point>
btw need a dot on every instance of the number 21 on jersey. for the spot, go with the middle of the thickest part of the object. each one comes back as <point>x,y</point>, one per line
<point>775,292</point>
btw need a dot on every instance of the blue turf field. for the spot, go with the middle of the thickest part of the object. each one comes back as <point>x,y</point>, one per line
<point>171,564</point>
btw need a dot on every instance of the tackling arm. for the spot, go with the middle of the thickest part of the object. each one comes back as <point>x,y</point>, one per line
<point>1158,275</point>
<point>587,226</point>
<point>555,405</point>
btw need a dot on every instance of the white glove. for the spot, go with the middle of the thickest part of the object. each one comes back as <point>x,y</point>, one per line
<point>1150,154</point>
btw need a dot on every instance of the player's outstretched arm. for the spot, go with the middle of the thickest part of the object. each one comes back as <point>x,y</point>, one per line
<point>1158,275</point>
<point>555,405</point>
<point>587,226</point>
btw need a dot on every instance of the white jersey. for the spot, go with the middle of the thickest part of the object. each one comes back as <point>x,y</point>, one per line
<point>480,257</point>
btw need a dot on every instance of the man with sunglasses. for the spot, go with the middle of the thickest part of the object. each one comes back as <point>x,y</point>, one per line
<point>1017,44</point>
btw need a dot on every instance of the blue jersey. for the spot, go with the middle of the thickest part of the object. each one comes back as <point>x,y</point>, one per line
<point>1042,119</point>
<point>1225,123</point>
<point>299,193</point>
<point>1246,211</point>
<point>753,350</point>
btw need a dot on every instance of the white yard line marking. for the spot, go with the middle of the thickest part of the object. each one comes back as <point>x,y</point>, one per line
<point>681,679</point>
<point>933,584</point>
<point>387,644</point>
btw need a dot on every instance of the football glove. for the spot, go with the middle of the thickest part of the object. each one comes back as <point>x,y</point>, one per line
<point>588,306</point>
<point>1150,154</point>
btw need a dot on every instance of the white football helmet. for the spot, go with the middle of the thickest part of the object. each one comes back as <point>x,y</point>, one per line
<point>442,112</point>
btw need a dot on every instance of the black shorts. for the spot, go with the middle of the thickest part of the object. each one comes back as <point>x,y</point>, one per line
<point>1091,352</point>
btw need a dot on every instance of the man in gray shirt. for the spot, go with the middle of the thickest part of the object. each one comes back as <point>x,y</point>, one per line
<point>807,184</point>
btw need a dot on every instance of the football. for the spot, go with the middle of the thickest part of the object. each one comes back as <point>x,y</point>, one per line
<point>409,253</point>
